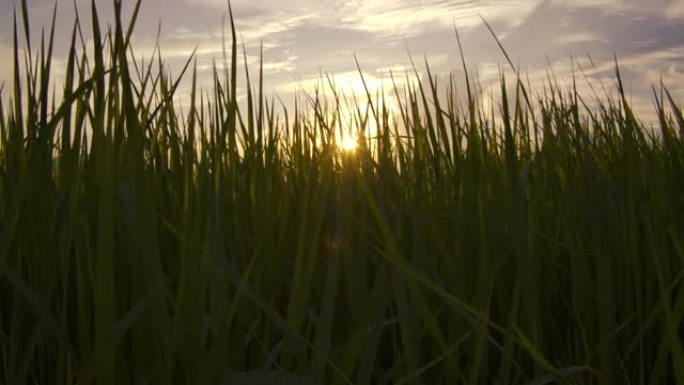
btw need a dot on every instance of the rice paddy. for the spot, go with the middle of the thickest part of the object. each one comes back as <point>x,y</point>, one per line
<point>243,242</point>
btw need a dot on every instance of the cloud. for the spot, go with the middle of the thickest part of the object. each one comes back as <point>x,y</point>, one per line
<point>405,18</point>
<point>302,38</point>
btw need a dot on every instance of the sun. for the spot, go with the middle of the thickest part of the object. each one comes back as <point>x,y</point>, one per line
<point>348,143</point>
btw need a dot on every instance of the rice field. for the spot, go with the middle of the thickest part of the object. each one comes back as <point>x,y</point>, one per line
<point>238,243</point>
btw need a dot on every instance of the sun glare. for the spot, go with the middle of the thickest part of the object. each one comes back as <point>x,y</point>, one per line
<point>348,143</point>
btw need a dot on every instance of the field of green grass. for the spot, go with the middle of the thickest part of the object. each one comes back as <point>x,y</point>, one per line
<point>239,243</point>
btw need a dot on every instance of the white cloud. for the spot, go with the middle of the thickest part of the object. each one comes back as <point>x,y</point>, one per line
<point>579,38</point>
<point>669,9</point>
<point>404,18</point>
<point>268,27</point>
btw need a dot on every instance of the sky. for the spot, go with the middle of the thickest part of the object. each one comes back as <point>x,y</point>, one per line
<point>304,38</point>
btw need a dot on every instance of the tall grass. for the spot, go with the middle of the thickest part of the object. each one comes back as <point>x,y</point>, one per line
<point>540,243</point>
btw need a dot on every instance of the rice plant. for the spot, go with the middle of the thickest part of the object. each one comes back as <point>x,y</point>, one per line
<point>243,243</point>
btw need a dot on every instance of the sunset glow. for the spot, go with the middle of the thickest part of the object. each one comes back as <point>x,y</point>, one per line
<point>303,38</point>
<point>348,143</point>
<point>341,192</point>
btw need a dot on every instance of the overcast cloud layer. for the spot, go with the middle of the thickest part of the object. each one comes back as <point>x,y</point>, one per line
<point>302,38</point>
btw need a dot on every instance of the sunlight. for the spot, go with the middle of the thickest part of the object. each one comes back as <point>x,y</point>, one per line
<point>348,143</point>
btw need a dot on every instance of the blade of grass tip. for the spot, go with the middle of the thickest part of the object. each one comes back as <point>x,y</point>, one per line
<point>449,113</point>
<point>192,115</point>
<point>16,205</point>
<point>82,40</point>
<point>660,111</point>
<point>365,87</point>
<point>510,62</point>
<point>273,124</point>
<point>430,127</point>
<point>82,110</point>
<point>18,110</point>
<point>398,99</point>
<point>68,90</point>
<point>232,113</point>
<point>471,100</point>
<point>76,95</point>
<point>131,25</point>
<point>600,79</point>
<point>224,50</point>
<point>629,116</point>
<point>46,60</point>
<point>509,140</point>
<point>98,108</point>
<point>31,75</point>
<point>677,112</point>
<point>3,127</point>
<point>503,50</point>
<point>250,103</point>
<point>169,96</point>
<point>128,105</point>
<point>439,118</point>
<point>154,83</point>
<point>27,30</point>
<point>260,111</point>
<point>241,136</point>
<point>147,79</point>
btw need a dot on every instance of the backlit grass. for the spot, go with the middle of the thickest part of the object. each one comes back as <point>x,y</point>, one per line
<point>539,243</point>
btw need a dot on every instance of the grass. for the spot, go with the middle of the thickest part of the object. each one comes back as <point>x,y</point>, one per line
<point>235,243</point>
